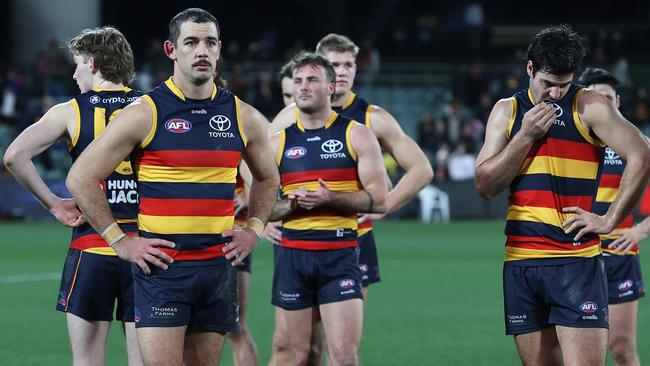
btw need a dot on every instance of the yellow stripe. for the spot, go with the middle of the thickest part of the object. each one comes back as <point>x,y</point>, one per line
<point>154,121</point>
<point>364,231</point>
<point>99,121</point>
<point>170,84</point>
<point>530,97</point>
<point>606,194</point>
<point>339,186</point>
<point>578,122</point>
<point>152,173</point>
<point>126,221</point>
<point>613,252</point>
<point>349,101</point>
<point>513,115</point>
<point>368,111</point>
<point>513,254</point>
<point>331,120</point>
<point>77,125</point>
<point>544,215</point>
<point>101,251</point>
<point>185,224</point>
<point>241,223</point>
<point>348,141</point>
<point>239,122</point>
<point>321,223</point>
<point>214,92</point>
<point>280,153</point>
<point>124,89</point>
<point>560,167</point>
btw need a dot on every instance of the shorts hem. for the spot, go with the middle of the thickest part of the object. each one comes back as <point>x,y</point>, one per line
<point>615,301</point>
<point>330,301</point>
<point>296,307</point>
<point>370,282</point>
<point>87,316</point>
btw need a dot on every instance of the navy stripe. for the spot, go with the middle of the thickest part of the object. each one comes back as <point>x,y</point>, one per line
<point>559,185</point>
<point>318,235</point>
<point>355,111</point>
<point>224,191</point>
<point>189,241</point>
<point>540,230</point>
<point>86,229</point>
<point>600,208</point>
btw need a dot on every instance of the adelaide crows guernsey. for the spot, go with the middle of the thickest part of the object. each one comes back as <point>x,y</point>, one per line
<point>610,180</point>
<point>560,170</point>
<point>357,109</point>
<point>187,168</point>
<point>304,156</point>
<point>93,111</point>
<point>242,215</point>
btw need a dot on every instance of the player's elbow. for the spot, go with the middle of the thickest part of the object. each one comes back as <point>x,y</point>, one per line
<point>427,174</point>
<point>379,202</point>
<point>10,158</point>
<point>483,185</point>
<point>74,180</point>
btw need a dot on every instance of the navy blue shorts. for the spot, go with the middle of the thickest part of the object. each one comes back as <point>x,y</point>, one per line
<point>368,261</point>
<point>307,278</point>
<point>246,265</point>
<point>624,280</point>
<point>199,294</point>
<point>91,283</point>
<point>538,296</point>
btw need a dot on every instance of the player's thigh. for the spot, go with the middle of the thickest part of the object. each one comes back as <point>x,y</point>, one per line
<point>299,326</point>
<point>342,322</point>
<point>203,349</point>
<point>623,322</point>
<point>161,345</point>
<point>243,288</point>
<point>582,346</point>
<point>539,347</point>
<point>86,335</point>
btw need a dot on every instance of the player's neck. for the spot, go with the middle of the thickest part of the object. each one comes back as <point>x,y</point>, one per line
<point>191,90</point>
<point>340,100</point>
<point>315,120</point>
<point>103,84</point>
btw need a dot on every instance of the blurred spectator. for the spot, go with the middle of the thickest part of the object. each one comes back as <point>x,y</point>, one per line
<point>461,163</point>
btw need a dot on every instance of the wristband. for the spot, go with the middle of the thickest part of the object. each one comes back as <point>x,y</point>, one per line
<point>254,223</point>
<point>112,234</point>
<point>117,238</point>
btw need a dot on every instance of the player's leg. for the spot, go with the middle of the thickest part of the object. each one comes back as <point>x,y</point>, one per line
<point>582,346</point>
<point>203,349</point>
<point>281,346</point>
<point>132,347</point>
<point>622,332</point>
<point>539,348</point>
<point>343,322</point>
<point>126,310</point>
<point>243,345</point>
<point>161,346</point>
<point>299,323</point>
<point>88,340</point>
<point>317,343</point>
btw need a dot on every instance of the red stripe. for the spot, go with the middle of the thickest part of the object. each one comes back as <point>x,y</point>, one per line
<point>324,174</point>
<point>549,199</point>
<point>91,241</point>
<point>540,243</point>
<point>565,149</point>
<point>318,245</point>
<point>627,223</point>
<point>195,255</point>
<point>186,207</point>
<point>190,158</point>
<point>610,181</point>
<point>365,225</point>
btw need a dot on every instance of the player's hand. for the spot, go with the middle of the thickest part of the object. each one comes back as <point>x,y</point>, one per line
<point>537,121</point>
<point>67,213</point>
<point>628,240</point>
<point>586,221</point>
<point>142,251</point>
<point>370,216</point>
<point>272,232</point>
<point>315,198</point>
<point>242,244</point>
<point>240,202</point>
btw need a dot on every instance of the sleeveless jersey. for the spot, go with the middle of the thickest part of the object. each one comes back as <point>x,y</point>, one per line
<point>303,157</point>
<point>560,170</point>
<point>612,171</point>
<point>242,215</point>
<point>93,111</point>
<point>357,109</point>
<point>186,169</point>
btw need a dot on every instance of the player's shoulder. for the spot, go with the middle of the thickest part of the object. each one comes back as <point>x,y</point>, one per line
<point>284,119</point>
<point>63,111</point>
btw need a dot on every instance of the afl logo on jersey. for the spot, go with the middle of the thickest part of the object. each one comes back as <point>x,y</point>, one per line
<point>178,125</point>
<point>95,99</point>
<point>589,307</point>
<point>295,152</point>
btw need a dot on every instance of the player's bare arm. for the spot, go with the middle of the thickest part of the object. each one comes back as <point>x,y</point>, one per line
<point>97,161</point>
<point>500,160</point>
<point>618,133</point>
<point>371,172</point>
<point>407,153</point>
<point>284,119</point>
<point>260,159</point>
<point>283,207</point>
<point>56,124</point>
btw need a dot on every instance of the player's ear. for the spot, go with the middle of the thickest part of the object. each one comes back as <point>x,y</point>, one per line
<point>170,50</point>
<point>91,64</point>
<point>529,68</point>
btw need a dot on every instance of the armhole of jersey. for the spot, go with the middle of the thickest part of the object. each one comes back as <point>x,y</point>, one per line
<point>513,116</point>
<point>348,141</point>
<point>283,138</point>
<point>77,125</point>
<point>239,122</point>
<point>578,122</point>
<point>154,121</point>
<point>367,116</point>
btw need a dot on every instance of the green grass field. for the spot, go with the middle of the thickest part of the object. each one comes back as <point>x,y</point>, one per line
<point>439,303</point>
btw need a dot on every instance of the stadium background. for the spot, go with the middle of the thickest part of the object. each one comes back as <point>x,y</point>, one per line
<point>437,67</point>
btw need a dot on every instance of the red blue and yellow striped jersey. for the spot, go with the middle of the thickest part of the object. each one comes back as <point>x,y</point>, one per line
<point>242,215</point>
<point>304,156</point>
<point>610,180</point>
<point>187,168</point>
<point>358,109</point>
<point>560,170</point>
<point>93,111</point>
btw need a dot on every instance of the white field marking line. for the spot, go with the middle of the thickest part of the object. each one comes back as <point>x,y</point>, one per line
<point>31,277</point>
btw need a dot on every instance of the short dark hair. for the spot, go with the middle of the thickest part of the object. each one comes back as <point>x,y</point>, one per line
<point>305,58</point>
<point>596,75</point>
<point>336,43</point>
<point>110,50</point>
<point>194,15</point>
<point>286,71</point>
<point>556,50</point>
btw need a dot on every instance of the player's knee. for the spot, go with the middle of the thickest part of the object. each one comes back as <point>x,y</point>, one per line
<point>623,350</point>
<point>344,356</point>
<point>281,343</point>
